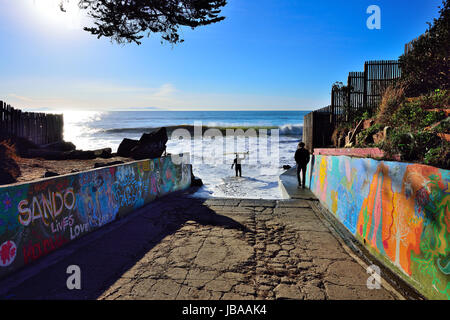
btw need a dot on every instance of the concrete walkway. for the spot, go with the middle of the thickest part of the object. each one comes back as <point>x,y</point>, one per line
<point>184,248</point>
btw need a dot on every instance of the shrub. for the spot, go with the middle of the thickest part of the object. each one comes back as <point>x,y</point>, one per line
<point>443,126</point>
<point>9,169</point>
<point>410,146</point>
<point>439,156</point>
<point>437,99</point>
<point>365,138</point>
<point>391,100</point>
<point>413,115</point>
<point>340,131</point>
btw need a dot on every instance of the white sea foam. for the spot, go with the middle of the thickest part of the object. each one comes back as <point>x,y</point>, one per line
<point>260,171</point>
<point>211,158</point>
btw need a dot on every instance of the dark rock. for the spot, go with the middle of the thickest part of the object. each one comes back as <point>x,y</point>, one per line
<point>125,147</point>
<point>286,167</point>
<point>69,155</point>
<point>151,145</point>
<point>59,146</point>
<point>49,174</point>
<point>82,155</point>
<point>101,165</point>
<point>196,182</point>
<point>46,154</point>
<point>104,153</point>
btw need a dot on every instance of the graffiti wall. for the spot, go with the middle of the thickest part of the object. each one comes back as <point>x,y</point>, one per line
<point>400,211</point>
<point>39,217</point>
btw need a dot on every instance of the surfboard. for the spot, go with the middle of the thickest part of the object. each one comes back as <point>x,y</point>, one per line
<point>237,153</point>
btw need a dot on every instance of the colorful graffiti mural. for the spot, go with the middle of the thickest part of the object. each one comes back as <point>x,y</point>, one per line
<point>400,211</point>
<point>39,217</point>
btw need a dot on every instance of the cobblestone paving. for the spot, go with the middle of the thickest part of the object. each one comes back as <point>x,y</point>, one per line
<point>184,248</point>
<point>278,250</point>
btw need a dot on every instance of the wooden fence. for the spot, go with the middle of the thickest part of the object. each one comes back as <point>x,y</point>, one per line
<point>362,93</point>
<point>317,130</point>
<point>378,76</point>
<point>40,128</point>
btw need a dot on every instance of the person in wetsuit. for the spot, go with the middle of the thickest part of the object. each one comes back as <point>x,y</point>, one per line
<point>237,165</point>
<point>302,159</point>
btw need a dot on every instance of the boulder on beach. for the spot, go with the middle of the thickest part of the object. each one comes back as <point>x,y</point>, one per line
<point>59,146</point>
<point>46,154</point>
<point>49,174</point>
<point>149,146</point>
<point>49,154</point>
<point>126,146</point>
<point>104,153</point>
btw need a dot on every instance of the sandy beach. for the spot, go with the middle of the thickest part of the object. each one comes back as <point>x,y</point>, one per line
<point>34,169</point>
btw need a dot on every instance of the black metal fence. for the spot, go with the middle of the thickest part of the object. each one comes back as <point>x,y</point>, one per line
<point>378,76</point>
<point>317,130</point>
<point>362,93</point>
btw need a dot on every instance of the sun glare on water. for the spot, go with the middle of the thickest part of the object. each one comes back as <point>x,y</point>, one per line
<point>50,11</point>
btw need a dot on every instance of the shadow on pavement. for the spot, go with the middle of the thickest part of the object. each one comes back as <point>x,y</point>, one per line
<point>106,254</point>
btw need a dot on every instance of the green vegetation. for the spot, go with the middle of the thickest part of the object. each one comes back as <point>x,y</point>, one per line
<point>130,21</point>
<point>365,137</point>
<point>416,108</point>
<point>413,114</point>
<point>427,67</point>
<point>417,132</point>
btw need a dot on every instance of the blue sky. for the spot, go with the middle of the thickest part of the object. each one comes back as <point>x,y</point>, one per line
<point>266,55</point>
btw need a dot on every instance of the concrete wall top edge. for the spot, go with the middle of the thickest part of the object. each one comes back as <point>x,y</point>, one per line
<point>185,155</point>
<point>358,152</point>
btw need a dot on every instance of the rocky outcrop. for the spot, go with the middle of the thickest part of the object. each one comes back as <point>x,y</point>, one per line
<point>59,146</point>
<point>49,174</point>
<point>149,146</point>
<point>126,146</point>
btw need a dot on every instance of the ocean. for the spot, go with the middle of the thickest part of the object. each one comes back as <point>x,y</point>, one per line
<point>271,141</point>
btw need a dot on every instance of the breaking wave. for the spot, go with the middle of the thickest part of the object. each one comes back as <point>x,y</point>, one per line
<point>285,130</point>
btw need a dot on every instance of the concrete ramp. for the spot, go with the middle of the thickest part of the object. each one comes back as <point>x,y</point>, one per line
<point>289,186</point>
